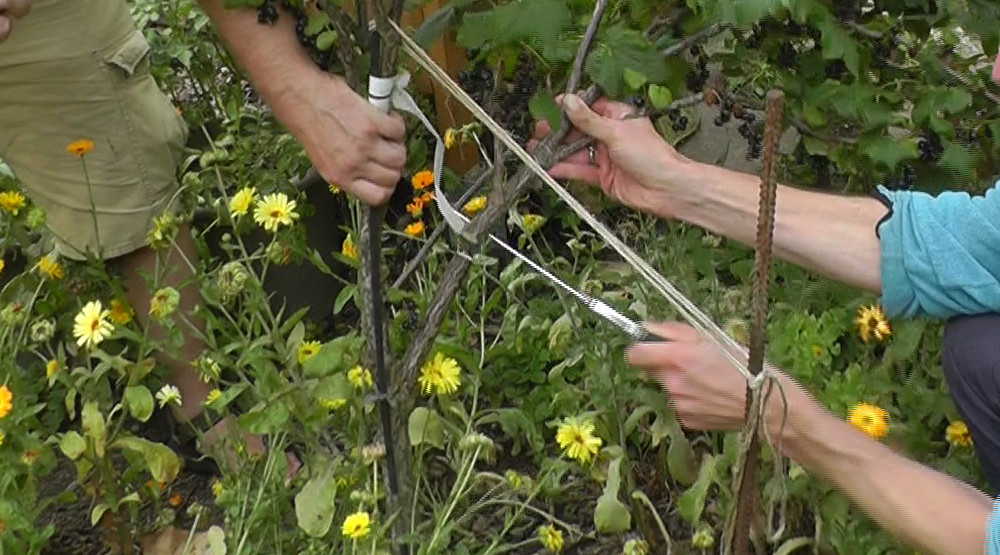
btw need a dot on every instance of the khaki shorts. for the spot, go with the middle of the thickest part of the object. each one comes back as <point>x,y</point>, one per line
<point>81,71</point>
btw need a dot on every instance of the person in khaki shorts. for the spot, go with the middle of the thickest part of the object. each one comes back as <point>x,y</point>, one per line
<point>79,69</point>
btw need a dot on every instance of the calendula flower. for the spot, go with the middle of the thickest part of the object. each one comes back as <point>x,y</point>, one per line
<point>51,367</point>
<point>360,377</point>
<point>176,500</point>
<point>12,201</point>
<point>416,229</point>
<point>167,395</point>
<point>450,138</point>
<point>42,330</point>
<point>50,267</point>
<point>440,375</point>
<point>331,403</point>
<point>231,279</point>
<point>91,325</point>
<point>870,419</point>
<point>241,202</point>
<point>275,210</point>
<point>872,323</point>
<point>739,330</point>
<point>164,302</point>
<point>6,401</point>
<point>279,253</point>
<point>357,525</point>
<point>348,249</point>
<point>121,314</point>
<point>212,396</point>
<point>703,538</point>
<point>635,546</point>
<point>164,229</point>
<point>551,538</point>
<point>373,452</point>
<point>217,489</point>
<point>334,189</point>
<point>474,205</point>
<point>35,218</point>
<point>416,208</point>
<point>958,434</point>
<point>426,198</point>
<point>28,457</point>
<point>576,438</point>
<point>532,223</point>
<point>422,179</point>
<point>2,263</point>
<point>80,147</point>
<point>307,350</point>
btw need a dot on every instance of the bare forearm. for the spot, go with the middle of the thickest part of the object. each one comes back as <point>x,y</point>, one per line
<point>830,234</point>
<point>920,506</point>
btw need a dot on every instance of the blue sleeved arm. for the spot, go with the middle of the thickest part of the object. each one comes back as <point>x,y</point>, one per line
<point>993,530</point>
<point>940,254</point>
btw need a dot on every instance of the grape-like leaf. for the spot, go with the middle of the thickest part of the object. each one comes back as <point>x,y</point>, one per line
<point>620,49</point>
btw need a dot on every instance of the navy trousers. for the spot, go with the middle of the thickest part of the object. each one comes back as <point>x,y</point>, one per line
<point>970,355</point>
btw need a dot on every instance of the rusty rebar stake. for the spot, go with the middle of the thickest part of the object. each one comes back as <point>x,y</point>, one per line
<point>738,542</point>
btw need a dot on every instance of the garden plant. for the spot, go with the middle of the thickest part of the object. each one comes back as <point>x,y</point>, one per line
<point>516,425</point>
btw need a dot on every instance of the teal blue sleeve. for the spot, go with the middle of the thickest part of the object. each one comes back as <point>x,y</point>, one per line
<point>940,254</point>
<point>993,530</point>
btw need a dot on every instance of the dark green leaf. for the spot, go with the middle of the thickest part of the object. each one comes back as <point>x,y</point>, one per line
<point>619,49</point>
<point>434,26</point>
<point>889,151</point>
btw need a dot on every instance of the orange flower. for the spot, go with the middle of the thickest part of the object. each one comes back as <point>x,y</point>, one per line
<point>80,147</point>
<point>427,198</point>
<point>6,401</point>
<point>415,208</point>
<point>176,500</point>
<point>423,179</point>
<point>416,229</point>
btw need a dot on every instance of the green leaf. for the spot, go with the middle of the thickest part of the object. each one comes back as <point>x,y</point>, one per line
<point>140,402</point>
<point>265,420</point>
<point>537,21</point>
<point>434,26</point>
<point>660,97</point>
<point>315,505</point>
<point>889,151</point>
<point>215,541</point>
<point>425,426</point>
<point>943,99</point>
<point>692,502</point>
<point>838,45</point>
<point>162,462</point>
<point>326,39</point>
<point>958,161</point>
<point>93,426</point>
<point>72,445</point>
<point>97,512</point>
<point>793,544</point>
<point>623,49</point>
<point>680,459</point>
<point>633,79</point>
<point>318,20</point>
<point>335,355</point>
<point>611,515</point>
<point>346,294</point>
<point>543,106</point>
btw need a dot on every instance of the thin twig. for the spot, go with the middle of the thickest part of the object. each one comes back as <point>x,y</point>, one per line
<point>865,31</point>
<point>688,41</point>
<point>581,53</point>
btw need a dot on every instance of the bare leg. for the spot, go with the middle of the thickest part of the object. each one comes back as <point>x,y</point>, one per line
<point>183,375</point>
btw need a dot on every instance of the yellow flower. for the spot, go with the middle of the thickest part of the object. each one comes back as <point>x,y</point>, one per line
<point>332,404</point>
<point>51,268</point>
<point>872,323</point>
<point>307,350</point>
<point>274,210</point>
<point>334,189</point>
<point>416,208</point>
<point>1,265</point>
<point>870,419</point>
<point>450,138</point>
<point>357,525</point>
<point>51,367</point>
<point>551,538</point>
<point>348,249</point>
<point>1,439</point>
<point>817,351</point>
<point>6,401</point>
<point>241,202</point>
<point>120,313</point>
<point>91,326</point>
<point>474,205</point>
<point>360,377</point>
<point>416,229</point>
<point>80,147</point>
<point>532,222</point>
<point>12,201</point>
<point>212,396</point>
<point>164,302</point>
<point>422,179</point>
<point>577,440</point>
<point>958,434</point>
<point>217,489</point>
<point>440,374</point>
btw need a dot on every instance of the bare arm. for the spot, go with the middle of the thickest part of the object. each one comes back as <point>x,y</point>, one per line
<point>350,142</point>
<point>832,235</point>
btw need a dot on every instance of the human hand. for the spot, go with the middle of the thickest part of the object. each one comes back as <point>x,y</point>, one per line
<point>633,162</point>
<point>351,143</point>
<point>10,10</point>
